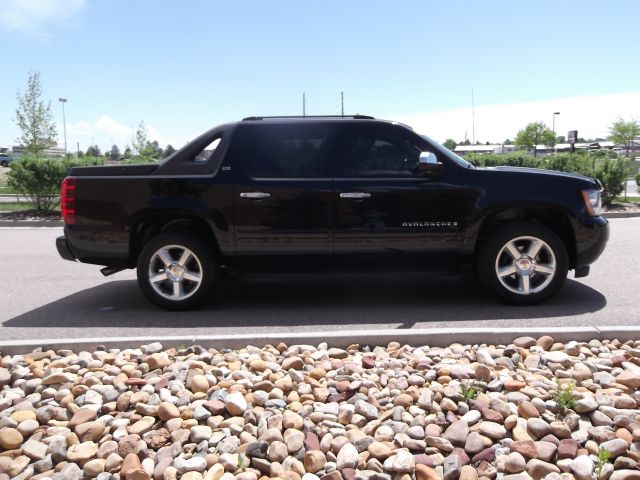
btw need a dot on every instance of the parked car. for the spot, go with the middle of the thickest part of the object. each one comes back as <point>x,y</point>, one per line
<point>5,160</point>
<point>341,193</point>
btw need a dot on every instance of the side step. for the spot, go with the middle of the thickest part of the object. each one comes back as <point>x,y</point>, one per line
<point>106,271</point>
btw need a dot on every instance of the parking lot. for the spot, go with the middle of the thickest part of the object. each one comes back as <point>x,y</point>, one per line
<point>44,296</point>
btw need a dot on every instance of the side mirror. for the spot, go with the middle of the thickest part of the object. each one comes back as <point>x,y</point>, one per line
<point>429,165</point>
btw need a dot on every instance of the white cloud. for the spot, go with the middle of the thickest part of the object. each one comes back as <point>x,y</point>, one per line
<point>107,130</point>
<point>79,128</point>
<point>110,126</point>
<point>590,115</point>
<point>31,15</point>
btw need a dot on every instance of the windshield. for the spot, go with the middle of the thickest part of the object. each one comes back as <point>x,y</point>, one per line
<point>448,153</point>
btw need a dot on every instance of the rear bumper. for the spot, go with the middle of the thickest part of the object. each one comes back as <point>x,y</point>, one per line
<point>591,239</point>
<point>63,249</point>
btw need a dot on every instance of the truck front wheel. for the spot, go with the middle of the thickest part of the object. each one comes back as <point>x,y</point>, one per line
<point>524,263</point>
<point>175,271</point>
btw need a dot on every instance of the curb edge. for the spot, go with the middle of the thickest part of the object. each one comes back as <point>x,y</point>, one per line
<point>434,337</point>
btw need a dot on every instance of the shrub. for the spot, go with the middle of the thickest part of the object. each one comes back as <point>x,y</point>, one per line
<point>39,179</point>
<point>613,175</point>
<point>563,396</point>
<point>638,179</point>
<point>603,458</point>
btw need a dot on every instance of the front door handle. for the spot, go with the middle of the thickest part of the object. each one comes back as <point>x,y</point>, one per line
<point>255,195</point>
<point>355,195</point>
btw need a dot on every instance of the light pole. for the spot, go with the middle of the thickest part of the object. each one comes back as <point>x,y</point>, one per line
<point>64,123</point>
<point>554,122</point>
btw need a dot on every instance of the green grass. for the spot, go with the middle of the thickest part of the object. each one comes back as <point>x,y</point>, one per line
<point>629,199</point>
<point>15,206</point>
<point>6,191</point>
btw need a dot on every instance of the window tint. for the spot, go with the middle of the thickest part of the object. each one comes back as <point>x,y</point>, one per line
<point>286,151</point>
<point>208,151</point>
<point>375,153</point>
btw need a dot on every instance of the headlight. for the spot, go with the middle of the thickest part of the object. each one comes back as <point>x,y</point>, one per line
<point>593,202</point>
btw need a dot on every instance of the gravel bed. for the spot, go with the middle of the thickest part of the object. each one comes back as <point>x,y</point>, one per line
<point>534,409</point>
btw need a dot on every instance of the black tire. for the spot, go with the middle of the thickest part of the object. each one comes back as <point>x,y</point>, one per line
<point>190,292</point>
<point>497,254</point>
<point>5,164</point>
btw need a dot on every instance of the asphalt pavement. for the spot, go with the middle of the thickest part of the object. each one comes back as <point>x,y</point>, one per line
<point>44,296</point>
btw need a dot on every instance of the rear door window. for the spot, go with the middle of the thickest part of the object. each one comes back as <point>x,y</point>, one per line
<point>286,151</point>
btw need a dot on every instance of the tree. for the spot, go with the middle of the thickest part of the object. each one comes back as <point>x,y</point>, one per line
<point>114,153</point>
<point>536,133</point>
<point>507,142</point>
<point>93,151</point>
<point>448,143</point>
<point>170,150</point>
<point>34,118</point>
<point>154,149</point>
<point>141,140</point>
<point>127,153</point>
<point>624,133</point>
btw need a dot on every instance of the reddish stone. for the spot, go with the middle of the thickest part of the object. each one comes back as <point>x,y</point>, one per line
<point>513,385</point>
<point>336,364</point>
<point>342,386</point>
<point>492,415</point>
<point>311,441</point>
<point>135,381</point>
<point>461,454</point>
<point>567,448</point>
<point>526,448</point>
<point>486,455</point>
<point>348,474</point>
<point>216,407</point>
<point>452,417</point>
<point>477,405</point>
<point>337,397</point>
<point>264,385</point>
<point>160,384</point>
<point>368,362</point>
<point>335,475</point>
<point>617,359</point>
<point>551,439</point>
<point>423,459</point>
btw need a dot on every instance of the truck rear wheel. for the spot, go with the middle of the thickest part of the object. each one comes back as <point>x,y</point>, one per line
<point>175,271</point>
<point>524,263</point>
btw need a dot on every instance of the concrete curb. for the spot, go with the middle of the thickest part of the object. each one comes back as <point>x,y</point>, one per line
<point>31,223</point>
<point>434,337</point>
<point>621,214</point>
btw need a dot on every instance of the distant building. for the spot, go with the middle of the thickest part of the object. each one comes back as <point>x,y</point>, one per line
<point>480,149</point>
<point>56,151</point>
<point>566,147</point>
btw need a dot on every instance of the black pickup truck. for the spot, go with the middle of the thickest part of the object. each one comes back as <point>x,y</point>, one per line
<point>281,193</point>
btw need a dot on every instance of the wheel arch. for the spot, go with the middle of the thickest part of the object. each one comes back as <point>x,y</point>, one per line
<point>151,226</point>
<point>557,219</point>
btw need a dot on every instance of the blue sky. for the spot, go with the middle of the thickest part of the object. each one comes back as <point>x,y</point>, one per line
<point>184,66</point>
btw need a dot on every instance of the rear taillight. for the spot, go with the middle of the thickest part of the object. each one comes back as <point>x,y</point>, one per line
<point>68,200</point>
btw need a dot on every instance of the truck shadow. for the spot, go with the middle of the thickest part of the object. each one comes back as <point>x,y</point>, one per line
<point>299,300</point>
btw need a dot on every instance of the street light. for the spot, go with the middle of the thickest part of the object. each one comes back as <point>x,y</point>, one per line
<point>64,123</point>
<point>554,121</point>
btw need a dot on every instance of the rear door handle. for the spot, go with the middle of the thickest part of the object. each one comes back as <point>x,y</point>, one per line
<point>255,195</point>
<point>355,195</point>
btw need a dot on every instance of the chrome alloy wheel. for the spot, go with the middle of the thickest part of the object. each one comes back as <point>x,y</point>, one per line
<point>525,265</point>
<point>175,272</point>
